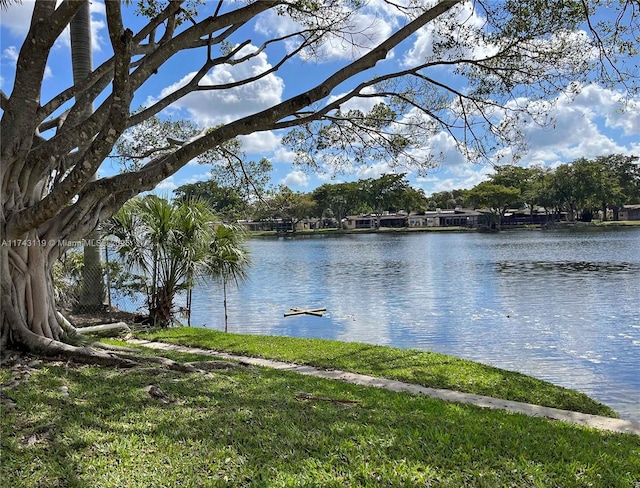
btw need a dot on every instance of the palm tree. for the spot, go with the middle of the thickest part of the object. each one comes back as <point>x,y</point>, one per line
<point>229,259</point>
<point>170,246</point>
<point>4,4</point>
<point>197,227</point>
<point>82,63</point>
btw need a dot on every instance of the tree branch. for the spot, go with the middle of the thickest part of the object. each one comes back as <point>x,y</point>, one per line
<point>176,95</point>
<point>49,206</point>
<point>160,168</point>
<point>155,60</point>
<point>19,120</point>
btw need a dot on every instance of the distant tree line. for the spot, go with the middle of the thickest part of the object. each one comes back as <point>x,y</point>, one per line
<point>388,193</point>
<point>578,190</point>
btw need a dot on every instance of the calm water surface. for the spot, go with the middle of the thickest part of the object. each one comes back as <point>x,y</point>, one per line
<point>563,306</point>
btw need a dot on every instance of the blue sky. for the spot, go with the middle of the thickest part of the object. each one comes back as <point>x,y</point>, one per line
<point>590,125</point>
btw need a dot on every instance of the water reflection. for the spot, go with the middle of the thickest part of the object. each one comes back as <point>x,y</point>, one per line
<point>560,306</point>
<point>568,267</point>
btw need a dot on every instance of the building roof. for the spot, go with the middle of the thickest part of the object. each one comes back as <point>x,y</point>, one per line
<point>459,212</point>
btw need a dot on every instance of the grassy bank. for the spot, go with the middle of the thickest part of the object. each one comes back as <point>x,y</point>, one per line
<point>423,368</point>
<point>618,223</point>
<point>85,426</point>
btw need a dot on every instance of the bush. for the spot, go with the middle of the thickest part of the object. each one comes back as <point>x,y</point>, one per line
<point>587,215</point>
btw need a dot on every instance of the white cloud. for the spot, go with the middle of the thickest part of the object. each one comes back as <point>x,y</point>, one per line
<point>260,143</point>
<point>354,32</point>
<point>198,177</point>
<point>459,41</point>
<point>611,105</point>
<point>296,178</point>
<point>10,53</point>
<point>208,108</point>
<point>283,155</point>
<point>98,26</point>
<point>97,7</point>
<point>373,170</point>
<point>460,177</point>
<point>17,18</point>
<point>590,125</point>
<point>167,185</point>
<point>329,178</point>
<point>443,148</point>
<point>366,32</point>
<point>364,104</point>
<point>587,126</point>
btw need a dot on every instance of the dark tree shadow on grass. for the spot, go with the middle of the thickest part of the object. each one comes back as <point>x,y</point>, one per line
<point>253,427</point>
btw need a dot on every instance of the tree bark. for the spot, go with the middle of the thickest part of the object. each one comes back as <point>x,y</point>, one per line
<point>27,288</point>
<point>27,307</point>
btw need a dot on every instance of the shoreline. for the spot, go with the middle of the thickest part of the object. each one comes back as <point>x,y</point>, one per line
<point>333,232</point>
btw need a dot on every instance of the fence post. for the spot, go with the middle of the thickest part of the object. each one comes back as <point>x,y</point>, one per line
<point>108,272</point>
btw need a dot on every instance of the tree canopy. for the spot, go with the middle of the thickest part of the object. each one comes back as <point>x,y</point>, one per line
<point>604,184</point>
<point>507,58</point>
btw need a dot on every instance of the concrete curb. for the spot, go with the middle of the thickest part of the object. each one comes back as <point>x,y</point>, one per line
<point>594,421</point>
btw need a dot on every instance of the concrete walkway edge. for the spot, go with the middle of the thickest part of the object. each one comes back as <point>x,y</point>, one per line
<point>594,421</point>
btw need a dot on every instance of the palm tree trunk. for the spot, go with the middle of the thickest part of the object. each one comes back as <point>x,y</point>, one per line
<point>92,298</point>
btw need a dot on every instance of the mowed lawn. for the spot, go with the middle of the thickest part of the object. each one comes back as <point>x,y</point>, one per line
<point>77,425</point>
<point>424,368</point>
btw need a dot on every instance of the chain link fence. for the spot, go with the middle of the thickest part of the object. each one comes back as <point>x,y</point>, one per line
<point>92,285</point>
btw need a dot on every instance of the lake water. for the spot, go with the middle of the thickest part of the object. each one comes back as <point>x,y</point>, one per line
<point>561,305</point>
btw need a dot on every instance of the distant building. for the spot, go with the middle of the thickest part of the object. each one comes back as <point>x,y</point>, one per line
<point>460,217</point>
<point>309,224</point>
<point>629,212</point>
<point>360,222</point>
<point>515,217</point>
<point>393,221</point>
<point>286,225</point>
<point>279,225</point>
<point>439,218</point>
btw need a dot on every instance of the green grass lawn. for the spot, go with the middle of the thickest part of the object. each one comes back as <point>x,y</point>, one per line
<point>618,223</point>
<point>423,368</point>
<point>87,426</point>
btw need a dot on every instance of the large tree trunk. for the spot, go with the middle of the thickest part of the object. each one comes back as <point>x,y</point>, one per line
<point>28,312</point>
<point>27,290</point>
